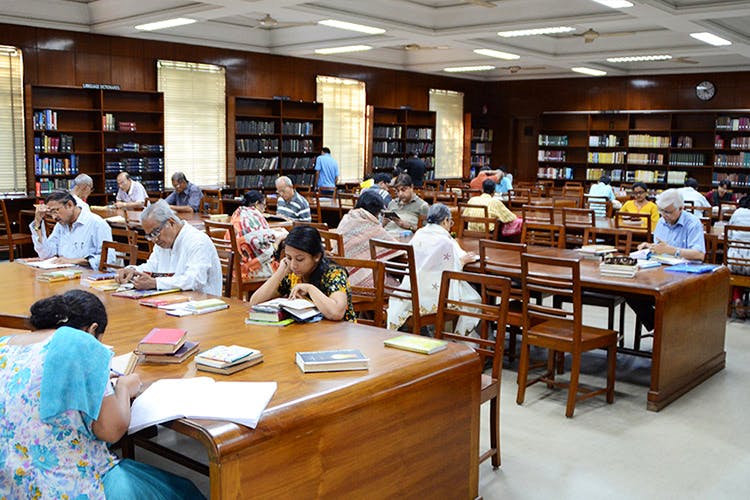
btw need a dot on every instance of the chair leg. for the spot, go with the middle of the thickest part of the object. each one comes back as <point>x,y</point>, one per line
<point>553,360</point>
<point>638,333</point>
<point>611,363</point>
<point>512,332</point>
<point>495,431</point>
<point>622,324</point>
<point>575,369</point>
<point>523,371</point>
<point>611,316</point>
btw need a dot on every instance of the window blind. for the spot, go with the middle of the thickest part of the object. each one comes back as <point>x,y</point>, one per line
<point>194,121</point>
<point>449,132</point>
<point>344,123</point>
<point>12,153</point>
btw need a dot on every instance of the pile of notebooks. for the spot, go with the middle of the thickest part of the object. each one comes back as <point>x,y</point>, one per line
<point>166,345</point>
<point>227,359</point>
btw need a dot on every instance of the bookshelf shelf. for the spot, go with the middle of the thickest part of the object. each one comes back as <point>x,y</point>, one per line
<point>661,148</point>
<point>80,122</point>
<point>398,132</point>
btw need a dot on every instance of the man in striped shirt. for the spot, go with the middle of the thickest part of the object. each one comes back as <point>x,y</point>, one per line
<point>290,203</point>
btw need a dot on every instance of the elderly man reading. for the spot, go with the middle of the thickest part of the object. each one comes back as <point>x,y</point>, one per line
<point>183,257</point>
<point>290,203</point>
<point>186,196</point>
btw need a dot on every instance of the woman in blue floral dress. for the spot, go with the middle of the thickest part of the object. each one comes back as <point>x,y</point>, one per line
<point>59,409</point>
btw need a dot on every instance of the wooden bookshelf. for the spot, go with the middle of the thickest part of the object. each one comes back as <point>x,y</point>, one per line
<point>398,132</point>
<point>660,148</point>
<point>72,130</point>
<point>267,138</point>
<point>481,149</point>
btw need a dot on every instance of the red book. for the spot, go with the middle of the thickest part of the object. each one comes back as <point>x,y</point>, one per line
<point>162,341</point>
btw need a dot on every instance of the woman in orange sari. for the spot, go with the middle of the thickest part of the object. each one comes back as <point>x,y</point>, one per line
<point>256,240</point>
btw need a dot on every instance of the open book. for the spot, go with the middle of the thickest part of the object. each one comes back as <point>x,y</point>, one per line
<point>203,398</point>
<point>301,309</point>
<point>44,263</point>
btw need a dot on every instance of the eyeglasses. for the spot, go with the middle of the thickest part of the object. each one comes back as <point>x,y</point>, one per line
<point>639,192</point>
<point>153,235</point>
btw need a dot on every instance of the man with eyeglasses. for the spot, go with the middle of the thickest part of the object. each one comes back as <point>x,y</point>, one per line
<point>186,196</point>
<point>678,233</point>
<point>78,235</point>
<point>290,204</point>
<point>183,257</point>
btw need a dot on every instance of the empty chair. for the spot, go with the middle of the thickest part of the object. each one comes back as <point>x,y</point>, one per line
<point>601,205</point>
<point>314,201</point>
<point>576,220</point>
<point>8,239</point>
<point>211,201</point>
<point>346,202</point>
<point>490,315</point>
<point>547,235</point>
<point>477,227</point>
<point>560,330</point>
<point>126,254</point>
<point>620,238</point>
<point>639,224</point>
<point>333,242</point>
<point>541,214</point>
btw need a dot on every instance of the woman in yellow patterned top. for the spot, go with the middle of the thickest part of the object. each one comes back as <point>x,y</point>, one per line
<point>306,273</point>
<point>640,204</point>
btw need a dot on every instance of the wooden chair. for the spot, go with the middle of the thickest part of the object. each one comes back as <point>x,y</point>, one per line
<point>125,255</point>
<point>317,225</point>
<point>446,198</point>
<point>224,238</point>
<point>601,205</point>
<point>476,210</point>
<point>620,238</point>
<point>211,202</point>
<point>432,184</point>
<point>226,259</point>
<point>314,201</point>
<point>333,242</point>
<point>365,299</point>
<point>639,224</point>
<point>401,268</point>
<point>573,191</point>
<point>547,235</point>
<point>9,239</point>
<point>477,227</point>
<point>560,330</point>
<point>538,213</point>
<point>737,255</point>
<point>125,235</point>
<point>726,209</point>
<point>562,203</point>
<point>518,198</point>
<point>488,314</point>
<point>346,202</point>
<point>15,322</point>
<point>576,220</point>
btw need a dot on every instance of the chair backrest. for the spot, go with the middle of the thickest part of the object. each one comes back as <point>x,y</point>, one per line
<point>125,235</point>
<point>554,276</point>
<point>226,259</point>
<point>599,204</point>
<point>578,217</point>
<point>346,202</point>
<point>477,227</point>
<point>224,238</point>
<point>621,238</point>
<point>566,202</point>
<point>6,229</point>
<point>333,242</point>
<point>317,225</point>
<point>639,223</point>
<point>726,209</point>
<point>399,268</point>
<point>211,201</point>
<point>538,213</point>
<point>737,248</point>
<point>15,322</point>
<point>518,198</point>
<point>365,298</point>
<point>474,210</point>
<point>314,201</point>
<point>487,312</point>
<point>548,235</point>
<point>446,198</point>
<point>125,255</point>
<point>432,184</point>
<point>509,268</point>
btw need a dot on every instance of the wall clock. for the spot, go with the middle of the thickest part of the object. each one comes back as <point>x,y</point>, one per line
<point>705,90</point>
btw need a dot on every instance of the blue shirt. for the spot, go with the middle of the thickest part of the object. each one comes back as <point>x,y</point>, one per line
<point>328,170</point>
<point>504,185</point>
<point>190,197</point>
<point>687,232</point>
<point>82,239</point>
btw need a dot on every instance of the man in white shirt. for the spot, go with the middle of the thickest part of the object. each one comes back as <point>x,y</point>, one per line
<point>690,193</point>
<point>183,257</point>
<point>83,185</point>
<point>78,235</point>
<point>131,194</point>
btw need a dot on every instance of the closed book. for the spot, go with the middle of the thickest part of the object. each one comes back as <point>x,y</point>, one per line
<point>140,294</point>
<point>231,368</point>
<point>187,349</point>
<point>331,361</point>
<point>597,249</point>
<point>221,356</point>
<point>52,276</point>
<point>416,343</point>
<point>101,276</point>
<point>163,301</point>
<point>162,341</point>
<point>268,316</point>
<point>283,322</point>
<point>198,305</point>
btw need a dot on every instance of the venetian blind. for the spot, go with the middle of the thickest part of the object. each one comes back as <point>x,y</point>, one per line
<point>194,121</point>
<point>344,123</point>
<point>12,153</point>
<point>449,132</point>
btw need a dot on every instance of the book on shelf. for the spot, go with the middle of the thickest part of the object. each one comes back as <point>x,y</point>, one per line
<point>331,361</point>
<point>202,398</point>
<point>141,294</point>
<point>160,301</point>
<point>416,343</point>
<point>162,341</point>
<point>62,275</point>
<point>186,350</point>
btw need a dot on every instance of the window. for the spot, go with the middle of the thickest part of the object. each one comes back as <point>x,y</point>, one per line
<point>344,123</point>
<point>449,132</point>
<point>12,154</point>
<point>194,121</point>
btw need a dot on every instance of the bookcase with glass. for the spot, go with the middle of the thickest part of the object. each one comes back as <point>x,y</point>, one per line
<point>269,137</point>
<point>481,149</point>
<point>396,133</point>
<point>661,149</point>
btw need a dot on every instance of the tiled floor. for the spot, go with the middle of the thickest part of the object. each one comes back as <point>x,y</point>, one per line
<point>698,447</point>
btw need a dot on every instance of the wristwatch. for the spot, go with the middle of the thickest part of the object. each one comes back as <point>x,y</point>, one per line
<point>677,252</point>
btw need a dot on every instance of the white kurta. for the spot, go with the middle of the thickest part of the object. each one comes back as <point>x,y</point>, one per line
<point>434,252</point>
<point>193,261</point>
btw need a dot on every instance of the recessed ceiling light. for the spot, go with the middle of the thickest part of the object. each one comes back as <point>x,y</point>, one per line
<point>169,23</point>
<point>615,4</point>
<point>710,38</point>
<point>626,59</point>
<point>343,25</point>
<point>536,31</point>
<point>462,69</point>
<point>589,71</point>
<point>498,54</point>
<point>341,50</point>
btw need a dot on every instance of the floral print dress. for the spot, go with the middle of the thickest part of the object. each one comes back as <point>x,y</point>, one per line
<point>333,280</point>
<point>57,459</point>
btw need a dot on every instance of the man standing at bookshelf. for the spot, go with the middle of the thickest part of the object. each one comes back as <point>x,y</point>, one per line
<point>186,196</point>
<point>415,167</point>
<point>78,235</point>
<point>407,206</point>
<point>83,185</point>
<point>131,194</point>
<point>183,257</point>
<point>290,203</point>
<point>326,171</point>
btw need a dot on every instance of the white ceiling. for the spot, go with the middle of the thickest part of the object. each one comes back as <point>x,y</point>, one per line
<point>446,30</point>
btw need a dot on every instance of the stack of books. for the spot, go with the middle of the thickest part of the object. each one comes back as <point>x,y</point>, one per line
<point>162,301</point>
<point>195,307</point>
<point>596,252</point>
<point>227,359</point>
<point>105,282</point>
<point>281,312</point>
<point>166,346</point>
<point>64,275</point>
<point>623,267</point>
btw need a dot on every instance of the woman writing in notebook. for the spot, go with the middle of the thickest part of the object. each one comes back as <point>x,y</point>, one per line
<point>306,273</point>
<point>59,410</point>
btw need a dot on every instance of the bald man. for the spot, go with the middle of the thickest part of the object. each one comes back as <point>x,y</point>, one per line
<point>132,194</point>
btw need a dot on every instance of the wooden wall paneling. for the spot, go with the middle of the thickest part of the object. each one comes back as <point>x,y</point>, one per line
<point>93,44</point>
<point>55,67</point>
<point>93,68</point>
<point>130,73</point>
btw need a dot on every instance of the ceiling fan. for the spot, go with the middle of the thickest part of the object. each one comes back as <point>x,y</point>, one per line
<point>515,69</point>
<point>268,22</point>
<point>590,35</point>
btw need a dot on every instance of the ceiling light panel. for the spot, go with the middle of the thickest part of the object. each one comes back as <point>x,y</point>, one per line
<point>627,59</point>
<point>342,50</point>
<point>589,71</point>
<point>615,4</point>
<point>466,69</point>
<point>497,54</point>
<point>343,25</point>
<point>169,23</point>
<point>710,38</point>
<point>551,30</point>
